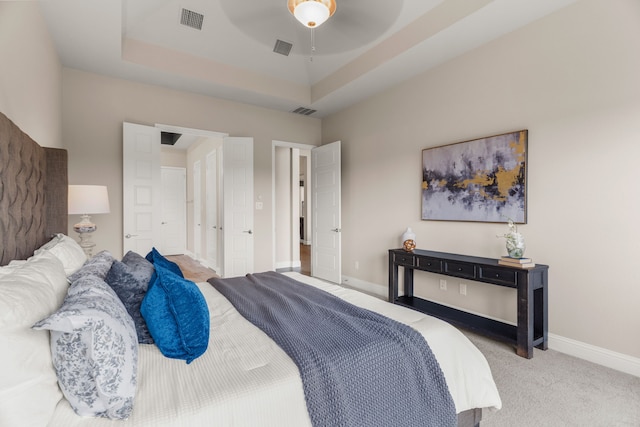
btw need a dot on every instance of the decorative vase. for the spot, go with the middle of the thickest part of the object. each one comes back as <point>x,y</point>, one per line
<point>515,244</point>
<point>409,240</point>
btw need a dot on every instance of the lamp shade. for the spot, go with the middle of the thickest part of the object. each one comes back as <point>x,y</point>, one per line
<point>88,199</point>
<point>312,13</point>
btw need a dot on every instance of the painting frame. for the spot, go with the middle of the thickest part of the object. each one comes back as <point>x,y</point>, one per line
<point>478,180</point>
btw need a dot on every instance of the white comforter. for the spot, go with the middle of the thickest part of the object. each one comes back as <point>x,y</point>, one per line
<point>245,379</point>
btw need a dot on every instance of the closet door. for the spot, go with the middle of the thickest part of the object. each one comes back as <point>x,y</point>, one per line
<point>141,190</point>
<point>211,191</point>
<point>238,226</point>
<point>174,211</point>
<point>197,210</point>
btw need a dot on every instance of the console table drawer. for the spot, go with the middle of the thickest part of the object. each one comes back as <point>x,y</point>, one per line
<point>430,264</point>
<point>405,259</point>
<point>498,275</point>
<point>460,269</point>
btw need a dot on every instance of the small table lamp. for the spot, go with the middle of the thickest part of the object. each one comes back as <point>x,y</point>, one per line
<point>87,200</point>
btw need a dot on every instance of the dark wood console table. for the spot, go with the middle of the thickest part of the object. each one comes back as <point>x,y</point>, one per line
<point>531,285</point>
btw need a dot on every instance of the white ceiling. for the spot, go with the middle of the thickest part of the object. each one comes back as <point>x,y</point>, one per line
<point>366,47</point>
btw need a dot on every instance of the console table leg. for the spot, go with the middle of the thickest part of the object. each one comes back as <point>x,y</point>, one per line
<point>542,311</point>
<point>408,281</point>
<point>393,280</point>
<point>525,318</point>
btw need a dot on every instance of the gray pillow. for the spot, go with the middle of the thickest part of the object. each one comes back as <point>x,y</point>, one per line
<point>140,268</point>
<point>97,266</point>
<point>131,286</point>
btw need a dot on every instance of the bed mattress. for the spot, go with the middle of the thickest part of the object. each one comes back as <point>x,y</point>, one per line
<point>245,379</point>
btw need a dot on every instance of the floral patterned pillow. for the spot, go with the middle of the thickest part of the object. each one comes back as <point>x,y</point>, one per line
<point>95,350</point>
<point>99,266</point>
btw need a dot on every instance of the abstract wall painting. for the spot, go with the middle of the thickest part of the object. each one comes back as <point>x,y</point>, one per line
<point>483,180</point>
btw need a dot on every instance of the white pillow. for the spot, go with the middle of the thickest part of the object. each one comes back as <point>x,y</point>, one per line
<point>13,264</point>
<point>29,390</point>
<point>67,250</point>
<point>95,350</point>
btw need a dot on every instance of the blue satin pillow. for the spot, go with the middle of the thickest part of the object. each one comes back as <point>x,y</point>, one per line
<point>155,258</point>
<point>177,315</point>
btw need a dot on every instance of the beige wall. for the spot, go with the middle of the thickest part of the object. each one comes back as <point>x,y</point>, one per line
<point>171,157</point>
<point>95,106</point>
<point>30,73</point>
<point>571,79</point>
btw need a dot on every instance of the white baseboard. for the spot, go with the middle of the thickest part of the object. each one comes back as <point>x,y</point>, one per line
<point>367,287</point>
<point>283,265</point>
<point>601,356</point>
<point>201,261</point>
<point>190,254</point>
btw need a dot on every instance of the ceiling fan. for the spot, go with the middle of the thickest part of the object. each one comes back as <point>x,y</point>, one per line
<point>349,25</point>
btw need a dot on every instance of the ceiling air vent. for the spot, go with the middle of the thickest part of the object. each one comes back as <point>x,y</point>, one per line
<point>192,19</point>
<point>169,138</point>
<point>304,111</point>
<point>282,47</point>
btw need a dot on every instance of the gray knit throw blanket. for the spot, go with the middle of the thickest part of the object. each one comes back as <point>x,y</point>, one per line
<point>358,368</point>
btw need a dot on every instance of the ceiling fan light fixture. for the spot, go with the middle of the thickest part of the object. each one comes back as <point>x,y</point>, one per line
<point>312,13</point>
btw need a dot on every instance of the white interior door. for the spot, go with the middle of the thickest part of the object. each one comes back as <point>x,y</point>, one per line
<point>197,210</point>
<point>140,187</point>
<point>238,206</point>
<point>174,212</point>
<point>211,190</point>
<point>326,245</point>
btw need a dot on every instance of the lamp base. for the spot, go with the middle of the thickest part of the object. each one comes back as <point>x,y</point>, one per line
<point>84,229</point>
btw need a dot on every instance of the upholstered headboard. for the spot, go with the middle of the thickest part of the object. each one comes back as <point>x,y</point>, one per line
<point>33,193</point>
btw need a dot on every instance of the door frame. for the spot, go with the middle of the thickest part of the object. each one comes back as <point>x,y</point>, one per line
<point>284,144</point>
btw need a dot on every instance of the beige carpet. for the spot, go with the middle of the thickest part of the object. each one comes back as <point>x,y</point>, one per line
<point>553,389</point>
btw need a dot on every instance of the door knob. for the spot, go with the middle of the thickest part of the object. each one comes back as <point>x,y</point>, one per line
<point>336,230</point>
<point>128,236</point>
<point>248,231</point>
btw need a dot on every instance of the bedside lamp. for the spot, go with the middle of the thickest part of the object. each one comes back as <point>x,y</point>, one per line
<point>87,200</point>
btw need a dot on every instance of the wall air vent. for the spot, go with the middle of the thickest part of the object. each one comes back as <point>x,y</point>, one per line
<point>304,111</point>
<point>191,19</point>
<point>282,47</point>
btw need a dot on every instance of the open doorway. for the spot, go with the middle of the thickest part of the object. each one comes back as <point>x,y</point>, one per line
<point>292,207</point>
<point>143,190</point>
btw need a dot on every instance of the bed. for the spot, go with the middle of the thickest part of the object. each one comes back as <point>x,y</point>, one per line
<point>242,379</point>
